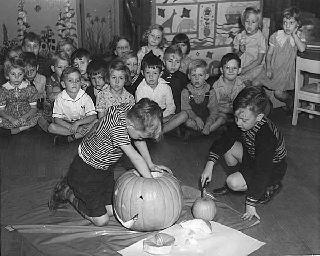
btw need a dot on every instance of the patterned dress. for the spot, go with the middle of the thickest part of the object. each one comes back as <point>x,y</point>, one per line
<point>16,102</point>
<point>282,63</point>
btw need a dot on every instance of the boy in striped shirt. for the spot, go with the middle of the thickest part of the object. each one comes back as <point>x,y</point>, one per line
<point>89,183</point>
<point>254,152</point>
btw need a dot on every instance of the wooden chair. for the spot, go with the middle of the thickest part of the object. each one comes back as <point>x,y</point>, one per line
<point>308,92</point>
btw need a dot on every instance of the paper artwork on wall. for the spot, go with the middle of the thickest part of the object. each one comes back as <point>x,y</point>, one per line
<point>228,20</point>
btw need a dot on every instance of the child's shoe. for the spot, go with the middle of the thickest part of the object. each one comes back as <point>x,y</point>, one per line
<point>59,140</point>
<point>57,196</point>
<point>270,193</point>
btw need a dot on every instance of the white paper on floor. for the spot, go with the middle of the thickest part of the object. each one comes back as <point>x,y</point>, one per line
<point>222,241</point>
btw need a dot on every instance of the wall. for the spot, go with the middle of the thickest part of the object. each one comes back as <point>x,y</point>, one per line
<point>210,25</point>
<point>52,19</point>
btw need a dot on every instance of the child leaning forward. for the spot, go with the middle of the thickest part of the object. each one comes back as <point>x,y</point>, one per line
<point>254,152</point>
<point>89,183</point>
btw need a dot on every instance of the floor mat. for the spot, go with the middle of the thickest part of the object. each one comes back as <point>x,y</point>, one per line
<point>28,228</point>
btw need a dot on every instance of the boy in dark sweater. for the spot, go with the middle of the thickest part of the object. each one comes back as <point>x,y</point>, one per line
<point>253,150</point>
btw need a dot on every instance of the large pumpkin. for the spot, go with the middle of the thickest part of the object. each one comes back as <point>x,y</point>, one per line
<point>156,202</point>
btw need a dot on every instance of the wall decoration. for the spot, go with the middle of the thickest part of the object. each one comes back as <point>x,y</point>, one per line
<point>67,23</point>
<point>210,25</point>
<point>228,20</point>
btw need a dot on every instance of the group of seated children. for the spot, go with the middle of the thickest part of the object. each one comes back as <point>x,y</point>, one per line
<point>156,90</point>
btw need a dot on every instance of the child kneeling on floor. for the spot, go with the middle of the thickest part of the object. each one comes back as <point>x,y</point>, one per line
<point>88,185</point>
<point>254,152</point>
<point>73,111</point>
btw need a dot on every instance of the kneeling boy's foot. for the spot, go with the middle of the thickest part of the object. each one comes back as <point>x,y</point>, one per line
<point>221,191</point>
<point>270,193</point>
<point>60,140</point>
<point>57,194</point>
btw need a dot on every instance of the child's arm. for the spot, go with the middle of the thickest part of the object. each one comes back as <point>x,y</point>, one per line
<point>33,110</point>
<point>268,61</point>
<point>300,45</point>
<point>185,104</point>
<point>62,122</point>
<point>143,149</point>
<point>32,93</point>
<point>170,106</point>
<point>86,120</point>
<point>213,110</point>
<point>10,118</point>
<point>137,160</point>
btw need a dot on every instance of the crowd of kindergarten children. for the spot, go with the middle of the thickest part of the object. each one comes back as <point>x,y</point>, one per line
<point>153,91</point>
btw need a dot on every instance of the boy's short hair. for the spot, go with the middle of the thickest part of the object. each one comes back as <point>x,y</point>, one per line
<point>67,71</point>
<point>144,114</point>
<point>15,48</point>
<point>253,97</point>
<point>172,49</point>
<point>230,56</point>
<point>98,66</point>
<point>130,55</point>
<point>31,37</point>
<point>197,63</point>
<point>80,53</point>
<point>14,63</point>
<point>30,59</point>
<point>151,61</point>
<point>182,38</point>
<point>59,56</point>
<point>119,65</point>
<point>64,42</point>
<point>254,10</point>
<point>292,12</point>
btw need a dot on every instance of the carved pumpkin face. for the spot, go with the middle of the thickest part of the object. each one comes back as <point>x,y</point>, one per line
<point>156,202</point>
<point>204,208</point>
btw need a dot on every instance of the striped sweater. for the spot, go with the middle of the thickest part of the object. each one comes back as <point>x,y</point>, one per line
<point>265,148</point>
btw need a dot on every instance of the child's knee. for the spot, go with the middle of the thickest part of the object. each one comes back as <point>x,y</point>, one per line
<point>234,183</point>
<point>234,155</point>
<point>52,128</point>
<point>101,220</point>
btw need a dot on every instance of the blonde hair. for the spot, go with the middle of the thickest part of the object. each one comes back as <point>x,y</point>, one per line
<point>197,63</point>
<point>249,10</point>
<point>148,31</point>
<point>14,63</point>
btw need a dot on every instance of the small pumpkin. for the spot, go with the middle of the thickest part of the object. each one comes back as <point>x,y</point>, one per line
<point>156,203</point>
<point>204,208</point>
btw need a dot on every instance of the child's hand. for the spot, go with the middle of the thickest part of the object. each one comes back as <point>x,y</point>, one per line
<point>250,212</point>
<point>199,122</point>
<point>159,168</point>
<point>14,121</point>
<point>206,130</point>
<point>269,73</point>
<point>74,127</point>
<point>206,175</point>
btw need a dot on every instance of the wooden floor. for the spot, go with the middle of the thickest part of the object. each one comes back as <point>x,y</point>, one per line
<point>290,223</point>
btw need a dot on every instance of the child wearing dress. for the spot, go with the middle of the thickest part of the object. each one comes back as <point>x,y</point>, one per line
<point>67,46</point>
<point>97,72</point>
<point>153,40</point>
<point>89,183</point>
<point>250,44</point>
<point>279,73</point>
<point>199,100</point>
<point>121,46</point>
<point>131,61</point>
<point>227,88</point>
<point>73,111</point>
<point>253,149</point>
<point>115,94</point>
<point>34,78</point>
<point>183,41</point>
<point>18,99</point>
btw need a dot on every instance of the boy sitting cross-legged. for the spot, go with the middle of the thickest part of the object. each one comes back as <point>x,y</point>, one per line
<point>73,111</point>
<point>156,88</point>
<point>254,151</point>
